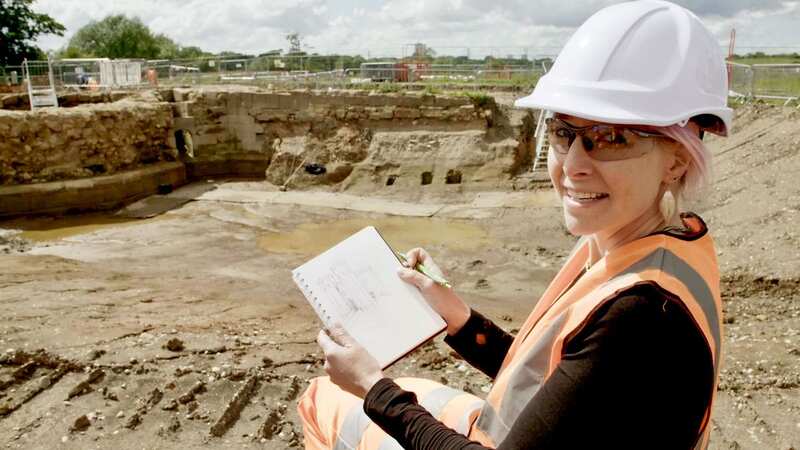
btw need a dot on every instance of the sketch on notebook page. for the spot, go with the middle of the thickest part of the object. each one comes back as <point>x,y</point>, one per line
<point>351,287</point>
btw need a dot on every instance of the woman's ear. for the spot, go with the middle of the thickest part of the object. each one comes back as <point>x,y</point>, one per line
<point>677,163</point>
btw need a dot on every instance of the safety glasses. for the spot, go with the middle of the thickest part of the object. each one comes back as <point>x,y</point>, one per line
<point>602,142</point>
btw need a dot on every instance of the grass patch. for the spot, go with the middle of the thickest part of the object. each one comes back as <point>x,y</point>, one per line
<point>432,90</point>
<point>767,59</point>
<point>479,99</point>
<point>388,87</point>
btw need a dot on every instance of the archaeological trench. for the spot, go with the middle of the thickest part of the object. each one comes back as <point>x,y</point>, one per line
<point>147,238</point>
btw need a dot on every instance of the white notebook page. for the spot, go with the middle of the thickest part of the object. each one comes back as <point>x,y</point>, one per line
<point>355,283</point>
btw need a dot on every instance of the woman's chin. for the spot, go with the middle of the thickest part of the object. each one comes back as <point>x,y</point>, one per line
<point>579,226</point>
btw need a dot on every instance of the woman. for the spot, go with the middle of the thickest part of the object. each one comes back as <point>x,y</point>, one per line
<point>622,349</point>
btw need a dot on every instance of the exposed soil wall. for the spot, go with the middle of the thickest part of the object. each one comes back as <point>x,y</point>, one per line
<point>354,140</point>
<point>346,140</point>
<point>68,99</point>
<point>90,140</point>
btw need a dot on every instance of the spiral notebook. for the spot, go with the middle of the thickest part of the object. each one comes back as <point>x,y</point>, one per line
<point>355,283</point>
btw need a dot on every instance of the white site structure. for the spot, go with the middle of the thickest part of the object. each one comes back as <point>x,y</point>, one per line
<point>99,72</point>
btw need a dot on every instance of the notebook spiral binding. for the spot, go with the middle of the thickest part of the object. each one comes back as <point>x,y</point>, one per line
<point>321,311</point>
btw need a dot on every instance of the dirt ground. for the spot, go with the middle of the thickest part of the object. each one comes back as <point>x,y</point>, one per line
<point>186,330</point>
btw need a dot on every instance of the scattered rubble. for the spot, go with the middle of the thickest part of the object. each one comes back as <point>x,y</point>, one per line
<point>80,424</point>
<point>174,345</point>
<point>84,387</point>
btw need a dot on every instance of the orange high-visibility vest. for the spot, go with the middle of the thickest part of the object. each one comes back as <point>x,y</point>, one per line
<point>684,265</point>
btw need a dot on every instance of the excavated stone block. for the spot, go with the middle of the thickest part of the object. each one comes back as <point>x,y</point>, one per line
<point>407,113</point>
<point>380,113</point>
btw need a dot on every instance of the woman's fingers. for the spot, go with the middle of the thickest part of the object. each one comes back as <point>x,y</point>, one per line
<point>411,257</point>
<point>417,255</point>
<point>417,279</point>
<point>340,336</point>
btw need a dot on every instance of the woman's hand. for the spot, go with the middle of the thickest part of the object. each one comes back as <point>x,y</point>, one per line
<point>347,363</point>
<point>443,300</point>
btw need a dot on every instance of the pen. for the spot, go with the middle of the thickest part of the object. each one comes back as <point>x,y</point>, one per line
<point>422,269</point>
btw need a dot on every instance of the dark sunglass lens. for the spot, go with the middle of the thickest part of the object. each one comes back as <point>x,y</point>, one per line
<point>588,144</point>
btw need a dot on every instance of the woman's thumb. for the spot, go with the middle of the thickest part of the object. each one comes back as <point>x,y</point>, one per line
<point>327,344</point>
<point>340,335</point>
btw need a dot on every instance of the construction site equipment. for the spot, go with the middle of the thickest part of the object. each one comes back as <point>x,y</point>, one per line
<point>636,74</point>
<point>38,76</point>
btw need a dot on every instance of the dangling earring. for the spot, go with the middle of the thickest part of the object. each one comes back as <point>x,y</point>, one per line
<point>668,205</point>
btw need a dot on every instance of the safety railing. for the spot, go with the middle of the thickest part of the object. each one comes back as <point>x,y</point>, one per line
<point>747,81</point>
<point>764,81</point>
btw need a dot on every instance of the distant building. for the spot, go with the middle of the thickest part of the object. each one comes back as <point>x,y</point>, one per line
<point>378,71</point>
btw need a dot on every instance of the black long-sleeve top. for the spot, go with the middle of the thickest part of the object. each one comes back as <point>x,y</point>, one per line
<point>639,375</point>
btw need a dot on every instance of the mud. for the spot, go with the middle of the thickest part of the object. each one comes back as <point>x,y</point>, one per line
<point>44,229</point>
<point>202,339</point>
<point>399,232</point>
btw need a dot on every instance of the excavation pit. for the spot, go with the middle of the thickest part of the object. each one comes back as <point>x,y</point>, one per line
<point>211,266</point>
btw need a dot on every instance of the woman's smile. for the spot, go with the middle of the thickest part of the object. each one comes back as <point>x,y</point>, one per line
<point>583,197</point>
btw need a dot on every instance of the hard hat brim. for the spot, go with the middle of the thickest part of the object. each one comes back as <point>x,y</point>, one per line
<point>599,109</point>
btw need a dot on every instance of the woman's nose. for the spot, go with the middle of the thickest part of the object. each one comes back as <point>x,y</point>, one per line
<point>577,161</point>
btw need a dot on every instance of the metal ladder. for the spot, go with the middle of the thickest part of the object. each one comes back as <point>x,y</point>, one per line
<point>542,143</point>
<point>40,96</point>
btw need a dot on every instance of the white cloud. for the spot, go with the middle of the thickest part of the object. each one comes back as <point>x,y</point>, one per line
<point>499,27</point>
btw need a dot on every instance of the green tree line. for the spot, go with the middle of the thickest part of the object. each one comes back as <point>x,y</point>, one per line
<point>119,36</point>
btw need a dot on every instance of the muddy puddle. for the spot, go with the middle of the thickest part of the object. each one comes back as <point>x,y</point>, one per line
<point>46,229</point>
<point>402,233</point>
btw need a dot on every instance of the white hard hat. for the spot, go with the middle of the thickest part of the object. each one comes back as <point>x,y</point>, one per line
<point>646,62</point>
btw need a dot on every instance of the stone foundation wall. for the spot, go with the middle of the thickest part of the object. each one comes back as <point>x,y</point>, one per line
<point>353,140</point>
<point>20,102</point>
<point>93,194</point>
<point>335,129</point>
<point>89,140</point>
<point>248,121</point>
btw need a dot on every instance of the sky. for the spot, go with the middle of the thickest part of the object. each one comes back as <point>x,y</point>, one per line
<point>388,27</point>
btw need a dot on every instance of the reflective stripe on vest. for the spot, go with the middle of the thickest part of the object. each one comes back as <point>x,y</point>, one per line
<point>352,428</point>
<point>357,420</point>
<point>465,423</point>
<point>530,363</point>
